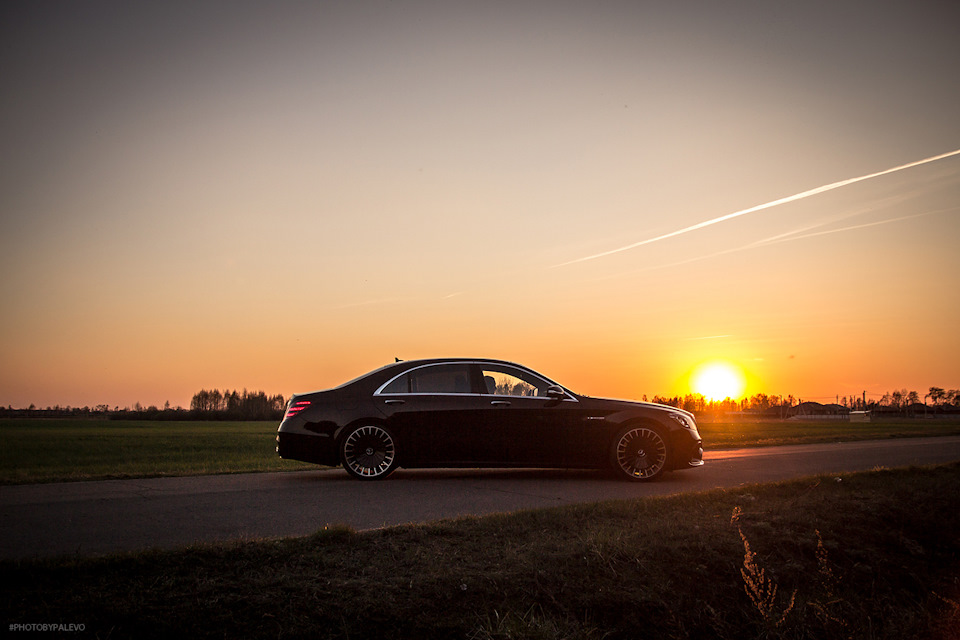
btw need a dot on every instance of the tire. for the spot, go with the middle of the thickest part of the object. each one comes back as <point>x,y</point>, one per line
<point>368,452</point>
<point>639,452</point>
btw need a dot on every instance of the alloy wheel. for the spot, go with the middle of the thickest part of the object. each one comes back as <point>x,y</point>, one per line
<point>369,452</point>
<point>641,453</point>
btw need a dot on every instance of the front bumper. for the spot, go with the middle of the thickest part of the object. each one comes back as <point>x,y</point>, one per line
<point>697,459</point>
<point>689,452</point>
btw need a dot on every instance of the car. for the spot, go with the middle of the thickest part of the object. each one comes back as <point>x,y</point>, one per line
<point>463,412</point>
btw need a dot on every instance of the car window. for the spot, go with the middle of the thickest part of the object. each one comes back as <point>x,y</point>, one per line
<point>508,381</point>
<point>441,378</point>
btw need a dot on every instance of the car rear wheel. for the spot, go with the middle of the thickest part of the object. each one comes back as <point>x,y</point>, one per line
<point>368,452</point>
<point>639,452</point>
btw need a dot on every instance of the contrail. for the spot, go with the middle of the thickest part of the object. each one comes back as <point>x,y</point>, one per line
<point>761,207</point>
<point>783,237</point>
<point>793,236</point>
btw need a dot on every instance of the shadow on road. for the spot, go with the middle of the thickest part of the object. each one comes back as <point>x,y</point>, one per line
<point>328,476</point>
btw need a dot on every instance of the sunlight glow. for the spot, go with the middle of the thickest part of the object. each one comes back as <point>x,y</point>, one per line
<point>718,381</point>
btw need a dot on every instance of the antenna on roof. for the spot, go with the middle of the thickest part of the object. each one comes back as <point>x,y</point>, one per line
<point>396,359</point>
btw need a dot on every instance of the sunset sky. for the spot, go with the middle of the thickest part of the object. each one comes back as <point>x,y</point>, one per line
<point>283,195</point>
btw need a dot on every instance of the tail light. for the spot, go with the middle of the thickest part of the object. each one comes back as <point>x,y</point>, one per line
<point>296,407</point>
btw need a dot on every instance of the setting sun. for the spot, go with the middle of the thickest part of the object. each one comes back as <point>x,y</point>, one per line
<point>718,381</point>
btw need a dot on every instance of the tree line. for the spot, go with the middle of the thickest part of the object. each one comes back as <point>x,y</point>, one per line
<point>245,405</point>
<point>894,402</point>
<point>214,404</point>
<point>211,404</point>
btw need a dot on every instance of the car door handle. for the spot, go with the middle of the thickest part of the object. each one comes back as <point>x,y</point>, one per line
<point>393,401</point>
<point>500,403</point>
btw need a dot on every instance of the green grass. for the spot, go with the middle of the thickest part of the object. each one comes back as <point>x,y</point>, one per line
<point>34,450</point>
<point>727,435</point>
<point>57,450</point>
<point>871,555</point>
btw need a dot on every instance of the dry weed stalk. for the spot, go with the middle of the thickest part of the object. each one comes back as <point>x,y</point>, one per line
<point>829,582</point>
<point>761,589</point>
<point>949,622</point>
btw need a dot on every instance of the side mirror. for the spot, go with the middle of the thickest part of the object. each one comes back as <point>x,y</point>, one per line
<point>556,392</point>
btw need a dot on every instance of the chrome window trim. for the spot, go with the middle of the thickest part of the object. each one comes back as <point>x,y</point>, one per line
<point>438,393</point>
<point>481,363</point>
<point>507,365</point>
<point>494,395</point>
<point>386,384</point>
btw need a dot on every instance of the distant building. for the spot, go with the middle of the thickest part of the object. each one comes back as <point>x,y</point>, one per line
<point>817,411</point>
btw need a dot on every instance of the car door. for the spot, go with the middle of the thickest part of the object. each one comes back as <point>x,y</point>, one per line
<point>432,411</point>
<point>529,427</point>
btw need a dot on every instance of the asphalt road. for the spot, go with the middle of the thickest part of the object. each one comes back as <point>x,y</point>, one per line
<point>92,518</point>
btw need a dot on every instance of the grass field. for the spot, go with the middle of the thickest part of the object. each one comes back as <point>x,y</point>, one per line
<point>34,450</point>
<point>726,435</point>
<point>56,450</point>
<point>871,555</point>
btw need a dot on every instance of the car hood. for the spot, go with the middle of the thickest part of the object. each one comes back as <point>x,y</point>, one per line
<point>613,403</point>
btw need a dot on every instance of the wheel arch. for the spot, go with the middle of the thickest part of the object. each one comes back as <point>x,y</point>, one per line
<point>650,421</point>
<point>340,432</point>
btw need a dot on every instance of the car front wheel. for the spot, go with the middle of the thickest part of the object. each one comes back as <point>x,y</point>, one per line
<point>639,452</point>
<point>368,452</point>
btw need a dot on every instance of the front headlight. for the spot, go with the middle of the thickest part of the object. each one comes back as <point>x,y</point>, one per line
<point>684,421</point>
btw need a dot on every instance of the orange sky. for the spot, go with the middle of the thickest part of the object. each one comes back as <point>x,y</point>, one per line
<point>282,197</point>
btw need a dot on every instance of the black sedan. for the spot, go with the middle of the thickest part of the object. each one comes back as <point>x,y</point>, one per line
<point>481,413</point>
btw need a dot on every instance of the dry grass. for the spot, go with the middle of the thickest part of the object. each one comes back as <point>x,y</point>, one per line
<point>761,589</point>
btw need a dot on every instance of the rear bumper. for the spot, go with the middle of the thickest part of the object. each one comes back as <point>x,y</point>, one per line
<point>318,449</point>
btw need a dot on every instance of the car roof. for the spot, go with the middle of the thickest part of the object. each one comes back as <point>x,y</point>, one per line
<point>381,374</point>
<point>411,364</point>
<point>446,360</point>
